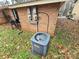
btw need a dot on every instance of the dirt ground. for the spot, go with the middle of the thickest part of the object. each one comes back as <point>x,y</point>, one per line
<point>68,30</point>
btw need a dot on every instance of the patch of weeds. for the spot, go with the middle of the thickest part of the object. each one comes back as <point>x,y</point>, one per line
<point>14,45</point>
<point>59,34</point>
<point>25,55</point>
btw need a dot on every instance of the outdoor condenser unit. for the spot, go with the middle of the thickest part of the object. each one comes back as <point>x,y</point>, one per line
<point>40,43</point>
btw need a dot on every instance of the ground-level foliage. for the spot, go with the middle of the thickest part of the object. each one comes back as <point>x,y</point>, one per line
<point>64,45</point>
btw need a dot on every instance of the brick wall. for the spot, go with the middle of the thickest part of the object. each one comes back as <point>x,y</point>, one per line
<point>2,18</point>
<point>50,9</point>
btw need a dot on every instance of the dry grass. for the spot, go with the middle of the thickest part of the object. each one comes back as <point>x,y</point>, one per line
<point>65,45</point>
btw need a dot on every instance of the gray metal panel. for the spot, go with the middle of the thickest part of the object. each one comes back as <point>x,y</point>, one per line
<point>66,7</point>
